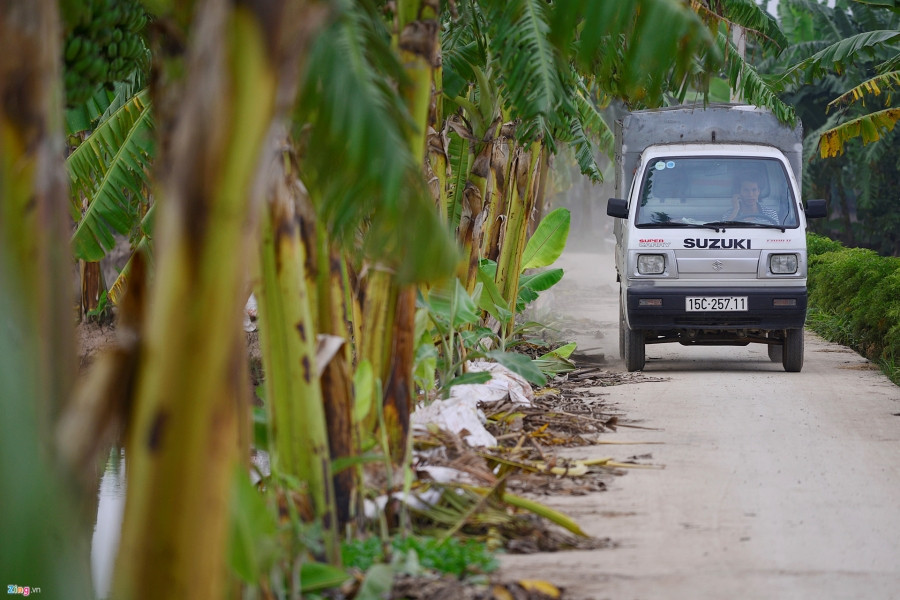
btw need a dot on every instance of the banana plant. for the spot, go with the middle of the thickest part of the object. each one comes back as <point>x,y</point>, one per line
<point>544,247</point>
<point>337,369</point>
<point>449,318</point>
<point>521,201</point>
<point>190,395</point>
<point>481,151</point>
<point>876,48</point>
<point>368,214</point>
<point>288,337</point>
<point>109,176</point>
<point>349,108</point>
<point>872,126</point>
<point>110,170</point>
<point>43,534</point>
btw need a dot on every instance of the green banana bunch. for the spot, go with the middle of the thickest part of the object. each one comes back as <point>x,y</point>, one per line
<point>73,49</point>
<point>103,45</point>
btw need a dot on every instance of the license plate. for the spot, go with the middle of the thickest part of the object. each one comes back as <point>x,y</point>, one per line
<point>721,303</point>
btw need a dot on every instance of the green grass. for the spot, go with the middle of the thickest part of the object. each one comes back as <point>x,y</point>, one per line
<point>836,329</point>
<point>854,299</point>
<point>461,558</point>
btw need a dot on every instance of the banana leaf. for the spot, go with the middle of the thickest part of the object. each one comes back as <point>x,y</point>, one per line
<point>519,364</point>
<point>452,304</point>
<point>548,241</point>
<point>491,300</point>
<point>839,54</point>
<point>110,169</point>
<point>869,127</point>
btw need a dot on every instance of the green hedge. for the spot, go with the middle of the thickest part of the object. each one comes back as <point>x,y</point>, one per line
<point>858,293</point>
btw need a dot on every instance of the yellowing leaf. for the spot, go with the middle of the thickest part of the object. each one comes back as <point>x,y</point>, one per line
<point>872,86</point>
<point>576,469</point>
<point>542,587</point>
<point>870,127</point>
<point>501,593</point>
<point>535,507</point>
<point>364,385</point>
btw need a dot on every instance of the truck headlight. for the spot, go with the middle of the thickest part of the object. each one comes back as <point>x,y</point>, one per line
<point>783,264</point>
<point>651,264</point>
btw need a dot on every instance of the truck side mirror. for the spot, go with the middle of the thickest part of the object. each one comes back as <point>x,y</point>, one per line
<point>815,209</point>
<point>618,208</point>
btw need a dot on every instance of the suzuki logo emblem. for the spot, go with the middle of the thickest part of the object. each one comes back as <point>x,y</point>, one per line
<point>717,265</point>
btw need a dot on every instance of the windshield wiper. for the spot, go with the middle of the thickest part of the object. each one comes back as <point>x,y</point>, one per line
<point>723,224</point>
<point>681,224</point>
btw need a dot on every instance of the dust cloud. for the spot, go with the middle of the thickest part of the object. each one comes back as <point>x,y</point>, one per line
<point>583,306</point>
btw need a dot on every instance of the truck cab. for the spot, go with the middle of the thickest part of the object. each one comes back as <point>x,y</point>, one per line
<point>711,236</point>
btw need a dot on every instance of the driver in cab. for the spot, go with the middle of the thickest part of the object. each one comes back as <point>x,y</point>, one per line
<point>745,203</point>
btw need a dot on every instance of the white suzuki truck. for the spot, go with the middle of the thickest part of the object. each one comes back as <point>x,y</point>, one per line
<point>711,236</point>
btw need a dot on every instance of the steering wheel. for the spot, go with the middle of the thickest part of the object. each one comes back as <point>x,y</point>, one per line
<point>760,218</point>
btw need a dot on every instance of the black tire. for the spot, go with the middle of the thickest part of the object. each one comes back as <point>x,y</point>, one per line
<point>635,356</point>
<point>792,358</point>
<point>776,353</point>
<point>621,329</point>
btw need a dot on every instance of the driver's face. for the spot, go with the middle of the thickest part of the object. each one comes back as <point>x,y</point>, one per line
<point>749,193</point>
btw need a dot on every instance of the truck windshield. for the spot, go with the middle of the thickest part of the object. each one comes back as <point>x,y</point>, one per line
<point>692,191</point>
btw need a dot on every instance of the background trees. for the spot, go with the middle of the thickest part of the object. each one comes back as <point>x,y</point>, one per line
<point>839,72</point>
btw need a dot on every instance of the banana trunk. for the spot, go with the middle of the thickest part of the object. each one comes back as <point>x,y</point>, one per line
<point>377,324</point>
<point>436,167</point>
<point>41,535</point>
<point>337,380</point>
<point>398,401</point>
<point>499,164</point>
<point>418,49</point>
<point>512,243</point>
<point>184,439</point>
<point>540,191</point>
<point>472,217</point>
<point>92,285</point>
<point>436,174</point>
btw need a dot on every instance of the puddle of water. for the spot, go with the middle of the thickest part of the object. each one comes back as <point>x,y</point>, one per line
<point>110,510</point>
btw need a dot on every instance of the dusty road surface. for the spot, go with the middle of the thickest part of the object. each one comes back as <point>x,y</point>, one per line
<point>775,485</point>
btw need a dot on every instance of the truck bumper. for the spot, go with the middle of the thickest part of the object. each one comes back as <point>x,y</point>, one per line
<point>660,309</point>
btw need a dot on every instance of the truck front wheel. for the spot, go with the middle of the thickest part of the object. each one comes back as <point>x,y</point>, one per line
<point>634,349</point>
<point>792,358</point>
<point>622,328</point>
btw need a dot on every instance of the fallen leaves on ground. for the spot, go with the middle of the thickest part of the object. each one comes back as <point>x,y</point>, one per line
<point>449,588</point>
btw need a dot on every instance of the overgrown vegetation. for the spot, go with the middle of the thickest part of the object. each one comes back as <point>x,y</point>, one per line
<point>854,297</point>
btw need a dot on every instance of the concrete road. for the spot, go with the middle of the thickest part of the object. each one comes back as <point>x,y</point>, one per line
<point>775,485</point>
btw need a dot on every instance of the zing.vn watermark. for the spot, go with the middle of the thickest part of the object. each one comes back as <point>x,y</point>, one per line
<point>22,591</point>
